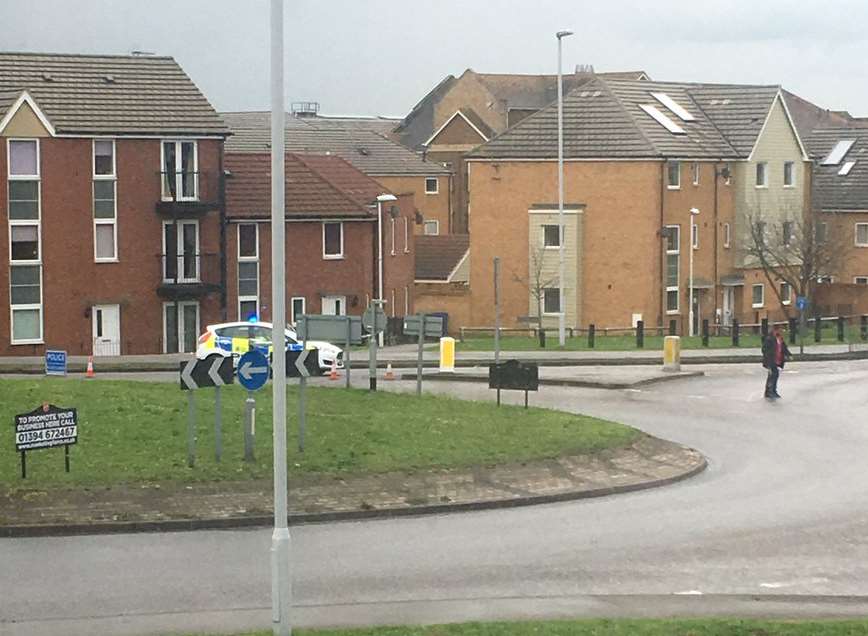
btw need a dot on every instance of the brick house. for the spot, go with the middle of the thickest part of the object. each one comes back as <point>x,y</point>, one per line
<point>840,203</point>
<point>363,143</point>
<point>111,205</point>
<point>638,156</point>
<point>332,238</point>
<point>462,113</point>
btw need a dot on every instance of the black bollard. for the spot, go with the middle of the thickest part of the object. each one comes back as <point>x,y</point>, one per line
<point>705,332</point>
<point>764,327</point>
<point>818,329</point>
<point>863,327</point>
<point>592,332</point>
<point>542,338</point>
<point>640,333</point>
<point>791,328</point>
<point>840,328</point>
<point>735,333</point>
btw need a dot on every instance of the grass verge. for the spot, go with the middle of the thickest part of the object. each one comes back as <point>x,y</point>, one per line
<point>132,432</point>
<point>605,627</point>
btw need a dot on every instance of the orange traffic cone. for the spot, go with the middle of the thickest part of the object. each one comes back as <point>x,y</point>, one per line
<point>390,375</point>
<point>333,374</point>
<point>90,372</point>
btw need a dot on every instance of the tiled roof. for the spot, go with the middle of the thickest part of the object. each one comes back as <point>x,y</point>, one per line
<point>316,187</point>
<point>368,151</point>
<point>437,256</point>
<point>604,119</point>
<point>831,191</point>
<point>105,94</point>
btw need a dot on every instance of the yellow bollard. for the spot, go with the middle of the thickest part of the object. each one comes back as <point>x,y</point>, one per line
<point>447,355</point>
<point>672,353</point>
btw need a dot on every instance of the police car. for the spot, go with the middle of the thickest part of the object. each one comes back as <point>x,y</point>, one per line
<point>237,338</point>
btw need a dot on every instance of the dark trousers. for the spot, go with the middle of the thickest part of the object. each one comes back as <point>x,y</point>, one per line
<point>772,380</point>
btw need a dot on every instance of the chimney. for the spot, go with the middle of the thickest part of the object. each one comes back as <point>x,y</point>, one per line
<point>584,68</point>
<point>305,109</point>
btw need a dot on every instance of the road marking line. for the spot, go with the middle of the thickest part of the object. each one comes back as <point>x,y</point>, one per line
<point>689,593</point>
<point>697,397</point>
<point>775,585</point>
<point>634,390</point>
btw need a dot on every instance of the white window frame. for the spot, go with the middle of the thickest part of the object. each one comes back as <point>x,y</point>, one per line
<point>792,165</point>
<point>179,162</point>
<point>543,236</point>
<point>765,170</point>
<point>697,168</point>
<point>247,259</point>
<point>727,235</point>
<point>786,299</point>
<point>860,280</point>
<point>675,288</point>
<point>406,300</point>
<point>669,184</point>
<point>695,237</point>
<point>332,257</point>
<point>762,296</point>
<point>114,220</point>
<point>179,251</point>
<point>406,235</point>
<point>37,177</point>
<point>436,226</point>
<point>560,302</point>
<point>292,314</point>
<point>392,234</point>
<point>179,323</point>
<point>856,235</point>
<point>436,189</point>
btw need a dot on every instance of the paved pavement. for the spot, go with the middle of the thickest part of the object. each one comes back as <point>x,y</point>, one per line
<point>647,463</point>
<point>776,525</point>
<point>601,377</point>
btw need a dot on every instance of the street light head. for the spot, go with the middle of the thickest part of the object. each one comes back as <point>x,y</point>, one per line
<point>563,34</point>
<point>694,211</point>
<point>387,197</point>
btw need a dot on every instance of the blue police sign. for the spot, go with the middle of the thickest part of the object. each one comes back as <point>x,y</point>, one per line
<point>55,362</point>
<point>801,303</point>
<point>253,370</point>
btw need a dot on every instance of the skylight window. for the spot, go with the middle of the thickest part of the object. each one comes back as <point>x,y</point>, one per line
<point>662,119</point>
<point>674,106</point>
<point>841,148</point>
<point>846,168</point>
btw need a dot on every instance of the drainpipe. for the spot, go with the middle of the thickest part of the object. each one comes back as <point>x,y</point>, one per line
<point>221,202</point>
<point>661,258</point>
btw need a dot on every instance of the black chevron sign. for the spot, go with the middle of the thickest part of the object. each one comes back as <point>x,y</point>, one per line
<point>213,371</point>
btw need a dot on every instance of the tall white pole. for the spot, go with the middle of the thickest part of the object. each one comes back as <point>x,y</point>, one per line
<point>690,330</point>
<point>380,339</point>
<point>281,594</point>
<point>562,332</point>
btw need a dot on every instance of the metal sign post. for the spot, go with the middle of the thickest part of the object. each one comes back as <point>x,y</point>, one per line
<point>422,325</point>
<point>513,375</point>
<point>346,329</point>
<point>347,345</point>
<point>419,355</point>
<point>301,364</point>
<point>374,321</point>
<point>253,371</point>
<point>197,374</point>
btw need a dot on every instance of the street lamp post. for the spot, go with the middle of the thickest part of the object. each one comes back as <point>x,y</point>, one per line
<point>562,332</point>
<point>280,579</point>
<point>380,200</point>
<point>690,330</point>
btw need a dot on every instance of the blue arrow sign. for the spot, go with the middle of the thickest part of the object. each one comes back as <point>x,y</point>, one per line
<point>801,303</point>
<point>253,370</point>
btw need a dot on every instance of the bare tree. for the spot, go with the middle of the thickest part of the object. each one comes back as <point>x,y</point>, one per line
<point>537,280</point>
<point>798,251</point>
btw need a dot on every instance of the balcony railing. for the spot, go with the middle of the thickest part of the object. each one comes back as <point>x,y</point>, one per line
<point>188,275</point>
<point>187,193</point>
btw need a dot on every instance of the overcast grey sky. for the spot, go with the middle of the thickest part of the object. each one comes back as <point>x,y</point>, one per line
<point>381,56</point>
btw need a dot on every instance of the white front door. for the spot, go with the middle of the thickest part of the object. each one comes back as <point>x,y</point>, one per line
<point>106,321</point>
<point>334,305</point>
<point>728,301</point>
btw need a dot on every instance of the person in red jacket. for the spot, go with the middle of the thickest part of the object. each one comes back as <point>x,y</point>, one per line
<point>775,355</point>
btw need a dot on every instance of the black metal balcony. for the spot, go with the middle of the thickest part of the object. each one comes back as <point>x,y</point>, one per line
<point>188,276</point>
<point>188,194</point>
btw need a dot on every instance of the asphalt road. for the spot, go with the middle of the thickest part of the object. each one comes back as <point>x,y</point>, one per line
<point>776,526</point>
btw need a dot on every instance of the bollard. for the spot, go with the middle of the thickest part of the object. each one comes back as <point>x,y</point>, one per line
<point>542,338</point>
<point>863,327</point>
<point>818,329</point>
<point>791,328</point>
<point>672,353</point>
<point>705,332</point>
<point>640,334</point>
<point>592,332</point>
<point>840,328</point>
<point>735,333</point>
<point>447,355</point>
<point>764,327</point>
<point>673,327</point>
